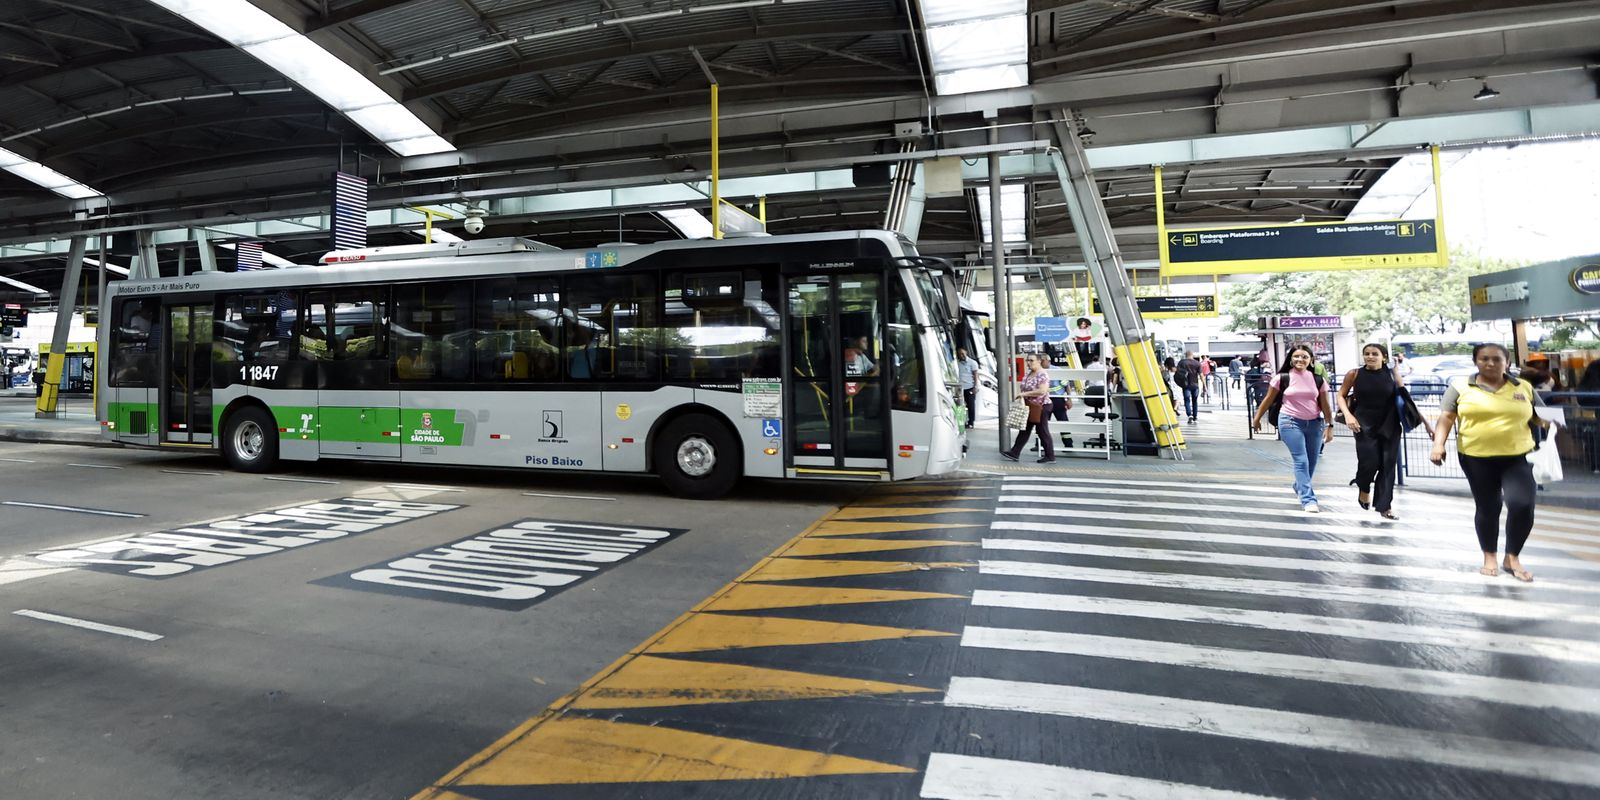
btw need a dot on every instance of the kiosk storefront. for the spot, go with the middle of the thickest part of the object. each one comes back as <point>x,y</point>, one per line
<point>1567,290</point>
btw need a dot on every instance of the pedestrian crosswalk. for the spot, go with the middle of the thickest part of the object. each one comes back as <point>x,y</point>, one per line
<point>1205,639</point>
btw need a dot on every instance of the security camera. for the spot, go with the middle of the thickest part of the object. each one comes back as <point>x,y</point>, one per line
<point>474,220</point>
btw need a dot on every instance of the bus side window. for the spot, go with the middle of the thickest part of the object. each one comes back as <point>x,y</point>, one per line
<point>137,348</point>
<point>358,321</point>
<point>720,326</point>
<point>518,329</point>
<point>617,330</point>
<point>256,328</point>
<point>432,331</point>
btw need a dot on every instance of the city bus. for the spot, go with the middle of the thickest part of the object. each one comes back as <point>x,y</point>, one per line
<point>818,356</point>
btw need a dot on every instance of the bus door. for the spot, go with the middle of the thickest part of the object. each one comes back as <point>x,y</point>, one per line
<point>186,390</point>
<point>838,414</point>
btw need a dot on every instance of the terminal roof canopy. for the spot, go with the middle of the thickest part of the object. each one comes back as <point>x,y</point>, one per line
<point>1263,110</point>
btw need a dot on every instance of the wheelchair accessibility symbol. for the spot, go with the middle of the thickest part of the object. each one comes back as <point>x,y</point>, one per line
<point>771,428</point>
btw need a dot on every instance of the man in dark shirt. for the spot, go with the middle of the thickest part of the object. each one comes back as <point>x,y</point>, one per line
<point>1188,375</point>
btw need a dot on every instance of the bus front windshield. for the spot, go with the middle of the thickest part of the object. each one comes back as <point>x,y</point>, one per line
<point>938,321</point>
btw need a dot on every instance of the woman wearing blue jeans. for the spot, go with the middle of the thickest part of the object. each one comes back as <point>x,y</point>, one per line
<point>1305,420</point>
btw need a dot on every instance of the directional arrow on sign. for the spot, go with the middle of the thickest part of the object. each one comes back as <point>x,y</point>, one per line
<point>1173,240</point>
<point>1426,227</point>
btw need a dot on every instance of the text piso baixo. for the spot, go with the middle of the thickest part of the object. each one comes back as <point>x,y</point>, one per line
<point>518,562</point>
<point>212,544</point>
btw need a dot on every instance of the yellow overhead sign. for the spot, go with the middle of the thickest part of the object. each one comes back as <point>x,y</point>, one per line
<point>1302,246</point>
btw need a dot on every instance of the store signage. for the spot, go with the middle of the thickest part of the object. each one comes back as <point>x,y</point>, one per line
<point>510,567</point>
<point>1309,323</point>
<point>1189,305</point>
<point>1500,293</point>
<point>1050,329</point>
<point>1586,279</point>
<point>1300,247</point>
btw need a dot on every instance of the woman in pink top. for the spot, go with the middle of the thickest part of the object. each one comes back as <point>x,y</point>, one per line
<point>1305,418</point>
<point>1035,390</point>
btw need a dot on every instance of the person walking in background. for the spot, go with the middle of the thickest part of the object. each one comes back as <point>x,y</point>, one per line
<point>1205,379</point>
<point>1188,378</point>
<point>1367,397</point>
<point>1236,371</point>
<point>967,368</point>
<point>1035,390</point>
<point>1305,419</point>
<point>1496,418</point>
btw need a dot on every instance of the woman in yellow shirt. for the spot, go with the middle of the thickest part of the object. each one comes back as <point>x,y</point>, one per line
<point>1495,412</point>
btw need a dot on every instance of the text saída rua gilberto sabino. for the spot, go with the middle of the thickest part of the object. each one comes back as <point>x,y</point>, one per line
<point>177,551</point>
<point>510,567</point>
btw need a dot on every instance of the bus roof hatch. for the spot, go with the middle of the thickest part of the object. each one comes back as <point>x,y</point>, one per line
<point>403,252</point>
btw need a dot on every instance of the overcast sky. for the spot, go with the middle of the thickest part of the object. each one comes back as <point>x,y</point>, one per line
<point>1532,202</point>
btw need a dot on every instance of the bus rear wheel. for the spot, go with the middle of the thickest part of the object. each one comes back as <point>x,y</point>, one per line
<point>697,457</point>
<point>250,440</point>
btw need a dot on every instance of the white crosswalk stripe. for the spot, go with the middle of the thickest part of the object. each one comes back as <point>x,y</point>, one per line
<point>1280,727</point>
<point>959,777</point>
<point>1284,600</point>
<point>1488,606</point>
<point>1328,546</point>
<point>1279,665</point>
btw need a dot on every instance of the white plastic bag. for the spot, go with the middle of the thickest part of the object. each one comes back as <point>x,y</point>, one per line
<point>1546,464</point>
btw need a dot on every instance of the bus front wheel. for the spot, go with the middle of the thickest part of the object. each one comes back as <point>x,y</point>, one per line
<point>250,440</point>
<point>697,457</point>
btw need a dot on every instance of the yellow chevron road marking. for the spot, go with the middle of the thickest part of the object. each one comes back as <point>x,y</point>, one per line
<point>704,632</point>
<point>572,750</point>
<point>796,569</point>
<point>650,681</point>
<point>755,596</point>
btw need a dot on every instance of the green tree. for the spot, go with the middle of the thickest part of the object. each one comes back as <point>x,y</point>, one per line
<point>1417,300</point>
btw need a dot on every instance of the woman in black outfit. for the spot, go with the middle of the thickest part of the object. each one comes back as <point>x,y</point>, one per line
<point>1367,398</point>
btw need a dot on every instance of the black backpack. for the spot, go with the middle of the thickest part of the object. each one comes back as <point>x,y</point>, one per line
<point>1277,402</point>
<point>1181,375</point>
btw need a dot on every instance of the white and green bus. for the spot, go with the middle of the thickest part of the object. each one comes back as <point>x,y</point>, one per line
<point>824,356</point>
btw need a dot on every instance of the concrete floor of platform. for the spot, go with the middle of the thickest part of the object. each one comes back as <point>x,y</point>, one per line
<point>1064,636</point>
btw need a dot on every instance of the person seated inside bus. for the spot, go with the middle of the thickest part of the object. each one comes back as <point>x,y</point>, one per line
<point>857,362</point>
<point>531,357</point>
<point>584,356</point>
<point>414,363</point>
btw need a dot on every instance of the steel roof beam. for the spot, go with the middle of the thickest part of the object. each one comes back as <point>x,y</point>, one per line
<point>653,47</point>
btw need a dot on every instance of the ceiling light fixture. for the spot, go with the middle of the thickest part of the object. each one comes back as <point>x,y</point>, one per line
<point>26,287</point>
<point>691,224</point>
<point>241,24</point>
<point>976,47</point>
<point>41,175</point>
<point>1486,93</point>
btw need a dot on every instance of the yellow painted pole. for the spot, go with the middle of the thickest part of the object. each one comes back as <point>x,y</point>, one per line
<point>716,165</point>
<point>1438,210</point>
<point>763,212</point>
<point>1161,226</point>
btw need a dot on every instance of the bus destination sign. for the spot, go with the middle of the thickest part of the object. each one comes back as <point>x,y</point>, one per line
<point>1299,247</point>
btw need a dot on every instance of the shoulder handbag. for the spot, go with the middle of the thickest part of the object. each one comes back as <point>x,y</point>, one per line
<point>1406,410</point>
<point>1017,415</point>
<point>1035,413</point>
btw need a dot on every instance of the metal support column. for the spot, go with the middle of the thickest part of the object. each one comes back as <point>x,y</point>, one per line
<point>208,254</point>
<point>1047,276</point>
<point>1002,292</point>
<point>102,338</point>
<point>1103,260</point>
<point>50,393</point>
<point>894,215</point>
